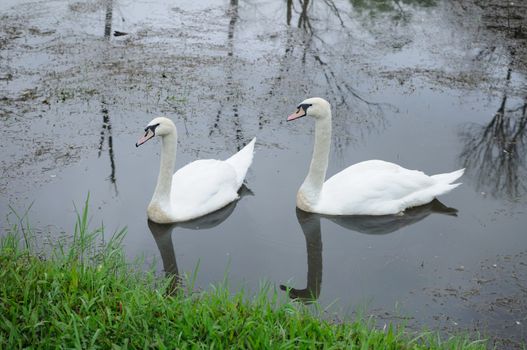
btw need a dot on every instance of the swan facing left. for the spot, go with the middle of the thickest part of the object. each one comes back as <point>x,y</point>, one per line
<point>200,187</point>
<point>372,187</point>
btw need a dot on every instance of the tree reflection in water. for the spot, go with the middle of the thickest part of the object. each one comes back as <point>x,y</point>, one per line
<point>232,88</point>
<point>106,130</point>
<point>494,154</point>
<point>319,45</point>
<point>106,134</point>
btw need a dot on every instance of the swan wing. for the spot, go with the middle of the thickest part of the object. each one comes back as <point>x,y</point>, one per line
<point>202,187</point>
<point>376,188</point>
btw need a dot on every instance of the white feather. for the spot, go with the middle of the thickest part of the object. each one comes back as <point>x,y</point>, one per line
<point>373,187</point>
<point>198,188</point>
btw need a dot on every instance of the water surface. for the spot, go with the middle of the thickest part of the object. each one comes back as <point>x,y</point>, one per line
<point>428,85</point>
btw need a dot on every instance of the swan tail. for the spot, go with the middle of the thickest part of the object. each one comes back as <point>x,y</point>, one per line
<point>426,195</point>
<point>242,160</point>
<point>444,188</point>
<point>448,178</point>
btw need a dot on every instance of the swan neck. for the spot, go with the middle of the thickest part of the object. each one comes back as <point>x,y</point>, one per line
<point>166,169</point>
<point>316,176</point>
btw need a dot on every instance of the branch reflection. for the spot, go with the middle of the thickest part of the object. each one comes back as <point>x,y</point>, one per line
<point>108,19</point>
<point>494,154</point>
<point>233,91</point>
<point>106,134</point>
<point>376,225</point>
<point>106,130</point>
<point>318,53</point>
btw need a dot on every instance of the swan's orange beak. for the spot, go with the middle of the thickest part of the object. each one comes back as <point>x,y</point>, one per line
<point>147,136</point>
<point>298,114</point>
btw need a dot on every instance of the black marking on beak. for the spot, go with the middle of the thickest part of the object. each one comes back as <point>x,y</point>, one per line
<point>300,108</point>
<point>150,128</point>
<point>305,106</point>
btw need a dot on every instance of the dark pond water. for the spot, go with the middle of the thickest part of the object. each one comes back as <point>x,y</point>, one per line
<point>429,85</point>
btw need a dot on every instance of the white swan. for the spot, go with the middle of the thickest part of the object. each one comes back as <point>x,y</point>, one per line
<point>198,188</point>
<point>372,187</point>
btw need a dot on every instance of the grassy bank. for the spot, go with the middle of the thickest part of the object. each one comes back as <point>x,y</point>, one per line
<point>84,296</point>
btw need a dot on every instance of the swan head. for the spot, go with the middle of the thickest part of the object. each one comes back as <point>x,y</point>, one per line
<point>315,107</point>
<point>160,126</point>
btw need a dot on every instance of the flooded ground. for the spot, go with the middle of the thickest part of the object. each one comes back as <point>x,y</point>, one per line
<point>430,85</point>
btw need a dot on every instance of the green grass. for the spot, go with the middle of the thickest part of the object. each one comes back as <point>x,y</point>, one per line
<point>85,296</point>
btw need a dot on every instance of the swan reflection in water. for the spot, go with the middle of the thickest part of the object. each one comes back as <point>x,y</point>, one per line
<point>376,225</point>
<point>162,234</point>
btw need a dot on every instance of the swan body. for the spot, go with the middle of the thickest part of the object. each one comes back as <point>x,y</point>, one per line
<point>198,188</point>
<point>372,187</point>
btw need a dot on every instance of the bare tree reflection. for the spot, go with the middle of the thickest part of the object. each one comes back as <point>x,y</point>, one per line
<point>106,135</point>
<point>306,47</point>
<point>289,12</point>
<point>494,154</point>
<point>230,84</point>
<point>108,19</point>
<point>376,225</point>
<point>341,87</point>
<point>106,130</point>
